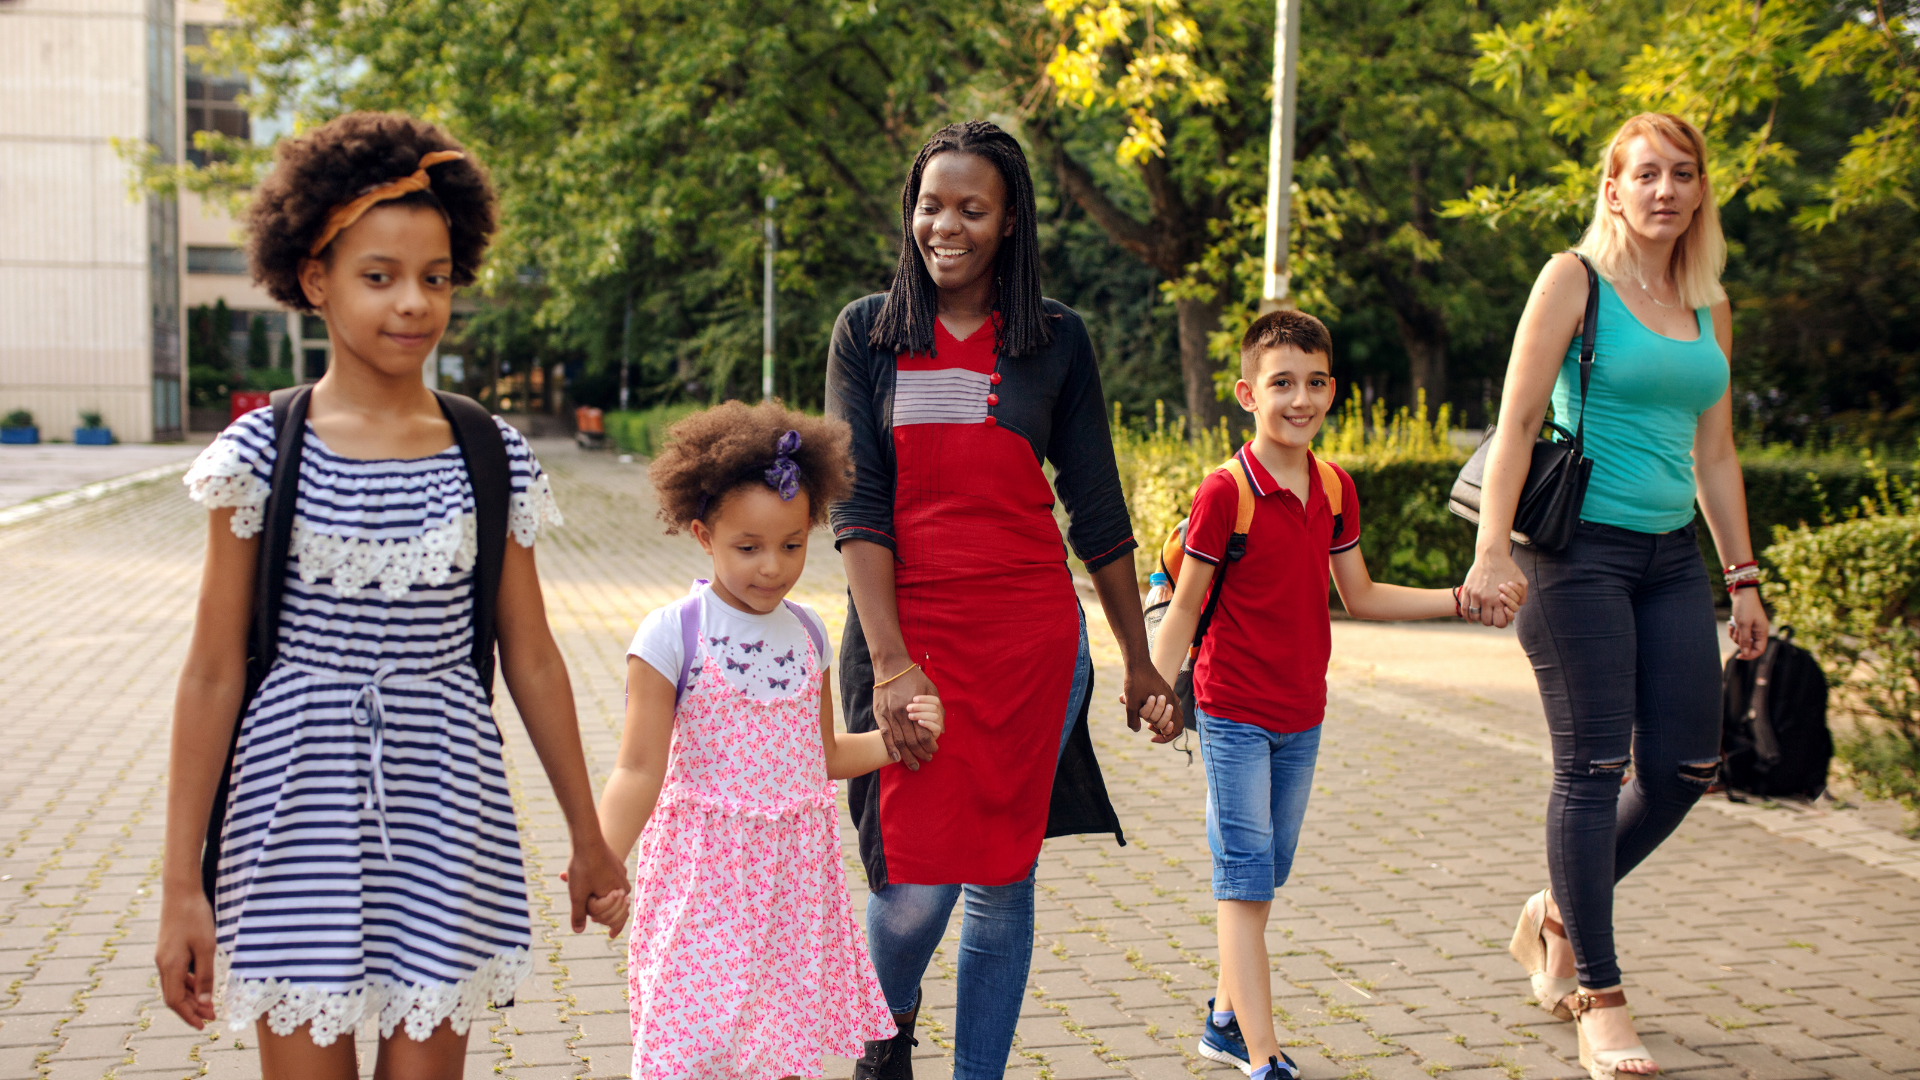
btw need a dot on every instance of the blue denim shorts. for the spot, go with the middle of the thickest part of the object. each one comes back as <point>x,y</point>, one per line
<point>1257,787</point>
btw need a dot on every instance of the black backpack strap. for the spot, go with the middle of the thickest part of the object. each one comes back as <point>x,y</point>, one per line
<point>1588,327</point>
<point>1766,741</point>
<point>269,593</point>
<point>1236,550</point>
<point>276,543</point>
<point>485,451</point>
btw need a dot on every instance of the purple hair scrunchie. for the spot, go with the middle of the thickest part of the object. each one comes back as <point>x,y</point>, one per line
<point>783,475</point>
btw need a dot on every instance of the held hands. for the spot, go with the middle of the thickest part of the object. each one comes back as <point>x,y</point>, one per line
<point>1148,697</point>
<point>908,740</point>
<point>184,954</point>
<point>926,711</point>
<point>1494,590</point>
<point>1511,597</point>
<point>597,885</point>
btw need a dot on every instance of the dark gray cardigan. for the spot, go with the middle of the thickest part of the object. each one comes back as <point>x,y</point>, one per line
<point>1053,400</point>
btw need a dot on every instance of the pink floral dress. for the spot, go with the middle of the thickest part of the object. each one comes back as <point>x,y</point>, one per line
<point>745,960</point>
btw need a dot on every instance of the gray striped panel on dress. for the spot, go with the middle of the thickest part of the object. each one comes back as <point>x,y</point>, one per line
<point>946,396</point>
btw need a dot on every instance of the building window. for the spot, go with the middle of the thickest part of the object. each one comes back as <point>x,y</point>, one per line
<point>212,101</point>
<point>216,260</point>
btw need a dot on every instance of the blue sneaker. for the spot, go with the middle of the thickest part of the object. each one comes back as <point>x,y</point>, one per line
<point>1224,1044</point>
<point>1280,1068</point>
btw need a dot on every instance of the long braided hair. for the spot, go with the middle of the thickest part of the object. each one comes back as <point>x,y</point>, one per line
<point>905,324</point>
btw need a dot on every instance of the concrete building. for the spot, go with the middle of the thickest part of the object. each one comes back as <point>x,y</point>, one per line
<point>89,277</point>
<point>101,291</point>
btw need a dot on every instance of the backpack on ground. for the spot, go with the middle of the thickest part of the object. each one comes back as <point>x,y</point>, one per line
<point>1173,556</point>
<point>1773,734</point>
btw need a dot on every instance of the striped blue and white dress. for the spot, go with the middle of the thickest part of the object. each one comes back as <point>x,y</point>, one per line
<point>370,867</point>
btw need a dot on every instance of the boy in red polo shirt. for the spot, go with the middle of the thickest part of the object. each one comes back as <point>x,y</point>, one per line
<point>1260,681</point>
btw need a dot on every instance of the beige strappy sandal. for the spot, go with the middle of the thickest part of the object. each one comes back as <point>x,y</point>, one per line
<point>1530,948</point>
<point>1605,1064</point>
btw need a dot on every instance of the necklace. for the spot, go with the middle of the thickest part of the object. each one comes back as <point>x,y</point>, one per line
<point>1655,299</point>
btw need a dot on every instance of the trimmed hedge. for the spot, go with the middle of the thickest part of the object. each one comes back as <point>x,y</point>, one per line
<point>1409,538</point>
<point>644,431</point>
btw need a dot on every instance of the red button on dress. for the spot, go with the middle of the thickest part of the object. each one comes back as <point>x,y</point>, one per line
<point>993,421</point>
<point>994,378</point>
<point>993,399</point>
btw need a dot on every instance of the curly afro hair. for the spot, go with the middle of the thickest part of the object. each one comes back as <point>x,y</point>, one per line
<point>710,454</point>
<point>338,161</point>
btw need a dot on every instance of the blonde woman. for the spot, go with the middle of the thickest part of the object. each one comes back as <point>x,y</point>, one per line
<point>1620,627</point>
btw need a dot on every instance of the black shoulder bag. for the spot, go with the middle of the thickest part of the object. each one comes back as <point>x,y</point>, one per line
<point>487,468</point>
<point>1549,509</point>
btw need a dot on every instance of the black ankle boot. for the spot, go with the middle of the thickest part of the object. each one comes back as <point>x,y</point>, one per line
<point>891,1059</point>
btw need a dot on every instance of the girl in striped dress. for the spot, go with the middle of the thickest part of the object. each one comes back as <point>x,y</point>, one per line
<point>369,868</point>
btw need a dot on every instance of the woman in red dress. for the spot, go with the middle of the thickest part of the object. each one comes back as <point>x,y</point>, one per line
<point>958,382</point>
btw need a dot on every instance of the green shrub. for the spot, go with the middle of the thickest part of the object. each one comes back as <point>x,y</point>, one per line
<point>18,418</point>
<point>90,420</point>
<point>269,379</point>
<point>644,432</point>
<point>1851,592</point>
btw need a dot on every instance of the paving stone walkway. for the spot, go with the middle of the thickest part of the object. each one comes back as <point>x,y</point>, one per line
<point>1749,953</point>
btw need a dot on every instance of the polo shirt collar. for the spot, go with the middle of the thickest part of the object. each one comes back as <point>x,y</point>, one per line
<point>1264,483</point>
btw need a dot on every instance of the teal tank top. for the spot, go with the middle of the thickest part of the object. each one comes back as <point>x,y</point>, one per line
<point>1643,407</point>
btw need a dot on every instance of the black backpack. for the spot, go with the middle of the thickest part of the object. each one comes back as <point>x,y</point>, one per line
<point>1773,731</point>
<point>487,467</point>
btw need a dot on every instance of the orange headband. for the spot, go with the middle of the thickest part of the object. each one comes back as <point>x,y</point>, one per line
<point>347,213</point>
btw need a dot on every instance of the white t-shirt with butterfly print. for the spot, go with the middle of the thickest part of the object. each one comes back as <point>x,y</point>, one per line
<point>760,655</point>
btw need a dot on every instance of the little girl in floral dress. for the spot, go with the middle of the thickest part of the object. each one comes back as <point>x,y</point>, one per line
<point>745,959</point>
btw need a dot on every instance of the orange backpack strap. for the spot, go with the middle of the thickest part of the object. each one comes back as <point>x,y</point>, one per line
<point>1243,515</point>
<point>1336,492</point>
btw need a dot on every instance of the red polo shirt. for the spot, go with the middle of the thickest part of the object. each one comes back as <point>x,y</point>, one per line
<point>1264,660</point>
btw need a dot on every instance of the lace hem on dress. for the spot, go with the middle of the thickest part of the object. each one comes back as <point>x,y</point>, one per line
<point>221,477</point>
<point>333,1011</point>
<point>353,563</point>
<point>528,509</point>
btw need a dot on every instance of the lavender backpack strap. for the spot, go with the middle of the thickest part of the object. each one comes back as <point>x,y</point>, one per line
<point>819,639</point>
<point>689,643</point>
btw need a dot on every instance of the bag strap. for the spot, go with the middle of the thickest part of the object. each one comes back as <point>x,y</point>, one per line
<point>1766,742</point>
<point>1587,329</point>
<point>689,639</point>
<point>269,591</point>
<point>690,636</point>
<point>814,632</point>
<point>488,469</point>
<point>270,572</point>
<point>1336,492</point>
<point>1236,548</point>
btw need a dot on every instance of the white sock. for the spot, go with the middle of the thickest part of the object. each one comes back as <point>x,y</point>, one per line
<point>1222,1019</point>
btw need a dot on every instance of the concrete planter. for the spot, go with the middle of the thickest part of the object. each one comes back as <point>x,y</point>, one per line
<point>19,436</point>
<point>92,436</point>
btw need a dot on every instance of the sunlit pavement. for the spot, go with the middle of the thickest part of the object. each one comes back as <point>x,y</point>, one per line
<point>1760,942</point>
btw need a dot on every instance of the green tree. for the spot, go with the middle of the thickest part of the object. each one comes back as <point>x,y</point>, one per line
<point>1810,112</point>
<point>258,355</point>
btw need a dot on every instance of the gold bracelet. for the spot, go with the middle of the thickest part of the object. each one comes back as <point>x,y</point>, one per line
<point>890,678</point>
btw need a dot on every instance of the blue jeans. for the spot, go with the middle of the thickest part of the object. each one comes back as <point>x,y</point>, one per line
<point>1620,630</point>
<point>1257,787</point>
<point>906,922</point>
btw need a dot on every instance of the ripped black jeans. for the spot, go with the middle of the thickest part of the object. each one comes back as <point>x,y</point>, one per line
<point>1621,632</point>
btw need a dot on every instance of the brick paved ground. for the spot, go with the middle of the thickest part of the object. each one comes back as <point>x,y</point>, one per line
<point>1749,953</point>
